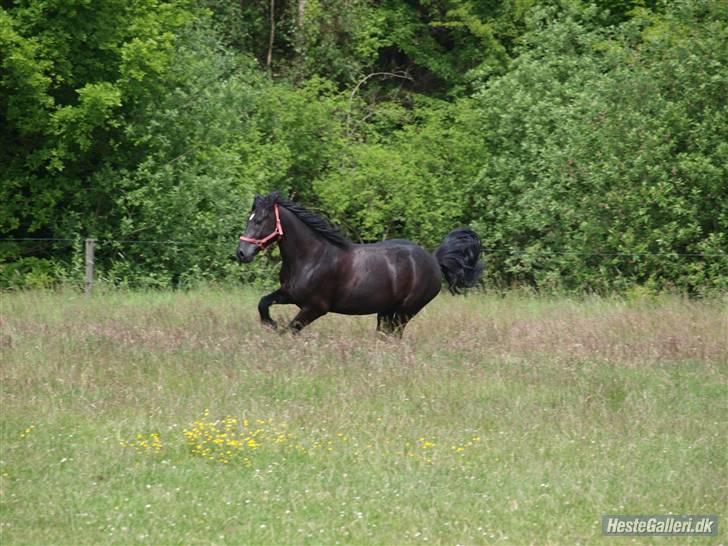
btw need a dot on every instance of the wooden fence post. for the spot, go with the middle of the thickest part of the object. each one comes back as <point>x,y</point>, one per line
<point>90,244</point>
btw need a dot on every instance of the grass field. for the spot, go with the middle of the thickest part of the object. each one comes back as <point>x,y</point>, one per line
<point>174,418</point>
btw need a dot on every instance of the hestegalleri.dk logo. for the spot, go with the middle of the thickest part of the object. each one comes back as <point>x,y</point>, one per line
<point>659,525</point>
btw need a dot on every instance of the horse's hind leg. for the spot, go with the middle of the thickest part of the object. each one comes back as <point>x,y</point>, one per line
<point>387,323</point>
<point>384,323</point>
<point>392,323</point>
<point>399,321</point>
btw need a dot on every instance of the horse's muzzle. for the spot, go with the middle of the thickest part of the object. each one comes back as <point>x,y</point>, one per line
<point>246,252</point>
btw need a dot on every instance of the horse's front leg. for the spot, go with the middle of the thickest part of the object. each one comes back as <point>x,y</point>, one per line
<point>305,316</point>
<point>278,296</point>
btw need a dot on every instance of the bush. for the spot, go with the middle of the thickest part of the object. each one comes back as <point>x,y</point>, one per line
<point>605,155</point>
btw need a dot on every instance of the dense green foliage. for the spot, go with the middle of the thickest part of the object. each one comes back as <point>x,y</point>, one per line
<point>586,143</point>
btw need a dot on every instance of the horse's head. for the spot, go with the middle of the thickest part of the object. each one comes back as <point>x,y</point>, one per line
<point>263,229</point>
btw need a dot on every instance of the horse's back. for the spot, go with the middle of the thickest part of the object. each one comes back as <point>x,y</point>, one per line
<point>398,253</point>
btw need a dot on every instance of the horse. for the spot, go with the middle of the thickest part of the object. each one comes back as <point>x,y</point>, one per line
<point>324,272</point>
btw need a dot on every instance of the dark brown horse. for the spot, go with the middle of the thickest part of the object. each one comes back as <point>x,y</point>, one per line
<point>325,272</point>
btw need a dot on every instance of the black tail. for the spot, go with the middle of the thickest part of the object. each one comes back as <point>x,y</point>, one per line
<point>459,259</point>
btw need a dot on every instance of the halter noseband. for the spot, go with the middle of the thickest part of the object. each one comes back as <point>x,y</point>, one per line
<point>270,238</point>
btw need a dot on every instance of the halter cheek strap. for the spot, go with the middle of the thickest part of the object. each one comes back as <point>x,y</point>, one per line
<point>275,235</point>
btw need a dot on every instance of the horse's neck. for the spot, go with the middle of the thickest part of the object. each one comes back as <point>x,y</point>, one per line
<point>300,244</point>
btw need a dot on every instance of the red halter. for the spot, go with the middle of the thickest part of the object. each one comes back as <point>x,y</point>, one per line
<point>270,238</point>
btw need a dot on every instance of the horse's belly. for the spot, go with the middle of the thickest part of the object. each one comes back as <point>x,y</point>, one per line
<point>352,305</point>
<point>364,296</point>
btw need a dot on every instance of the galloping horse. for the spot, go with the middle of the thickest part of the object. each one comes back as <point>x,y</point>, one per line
<point>323,271</point>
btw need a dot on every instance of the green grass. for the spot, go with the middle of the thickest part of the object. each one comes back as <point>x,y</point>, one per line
<point>510,419</point>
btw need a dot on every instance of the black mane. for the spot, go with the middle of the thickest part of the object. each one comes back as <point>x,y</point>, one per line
<point>316,222</point>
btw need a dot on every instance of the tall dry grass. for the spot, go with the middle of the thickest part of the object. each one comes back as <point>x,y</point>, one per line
<point>580,407</point>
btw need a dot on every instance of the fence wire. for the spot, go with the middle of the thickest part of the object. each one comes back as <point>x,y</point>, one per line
<point>507,251</point>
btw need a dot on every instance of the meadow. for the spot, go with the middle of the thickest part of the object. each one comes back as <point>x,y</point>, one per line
<point>175,418</point>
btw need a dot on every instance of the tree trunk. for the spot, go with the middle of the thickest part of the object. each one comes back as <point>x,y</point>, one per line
<point>301,12</point>
<point>300,38</point>
<point>272,33</point>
